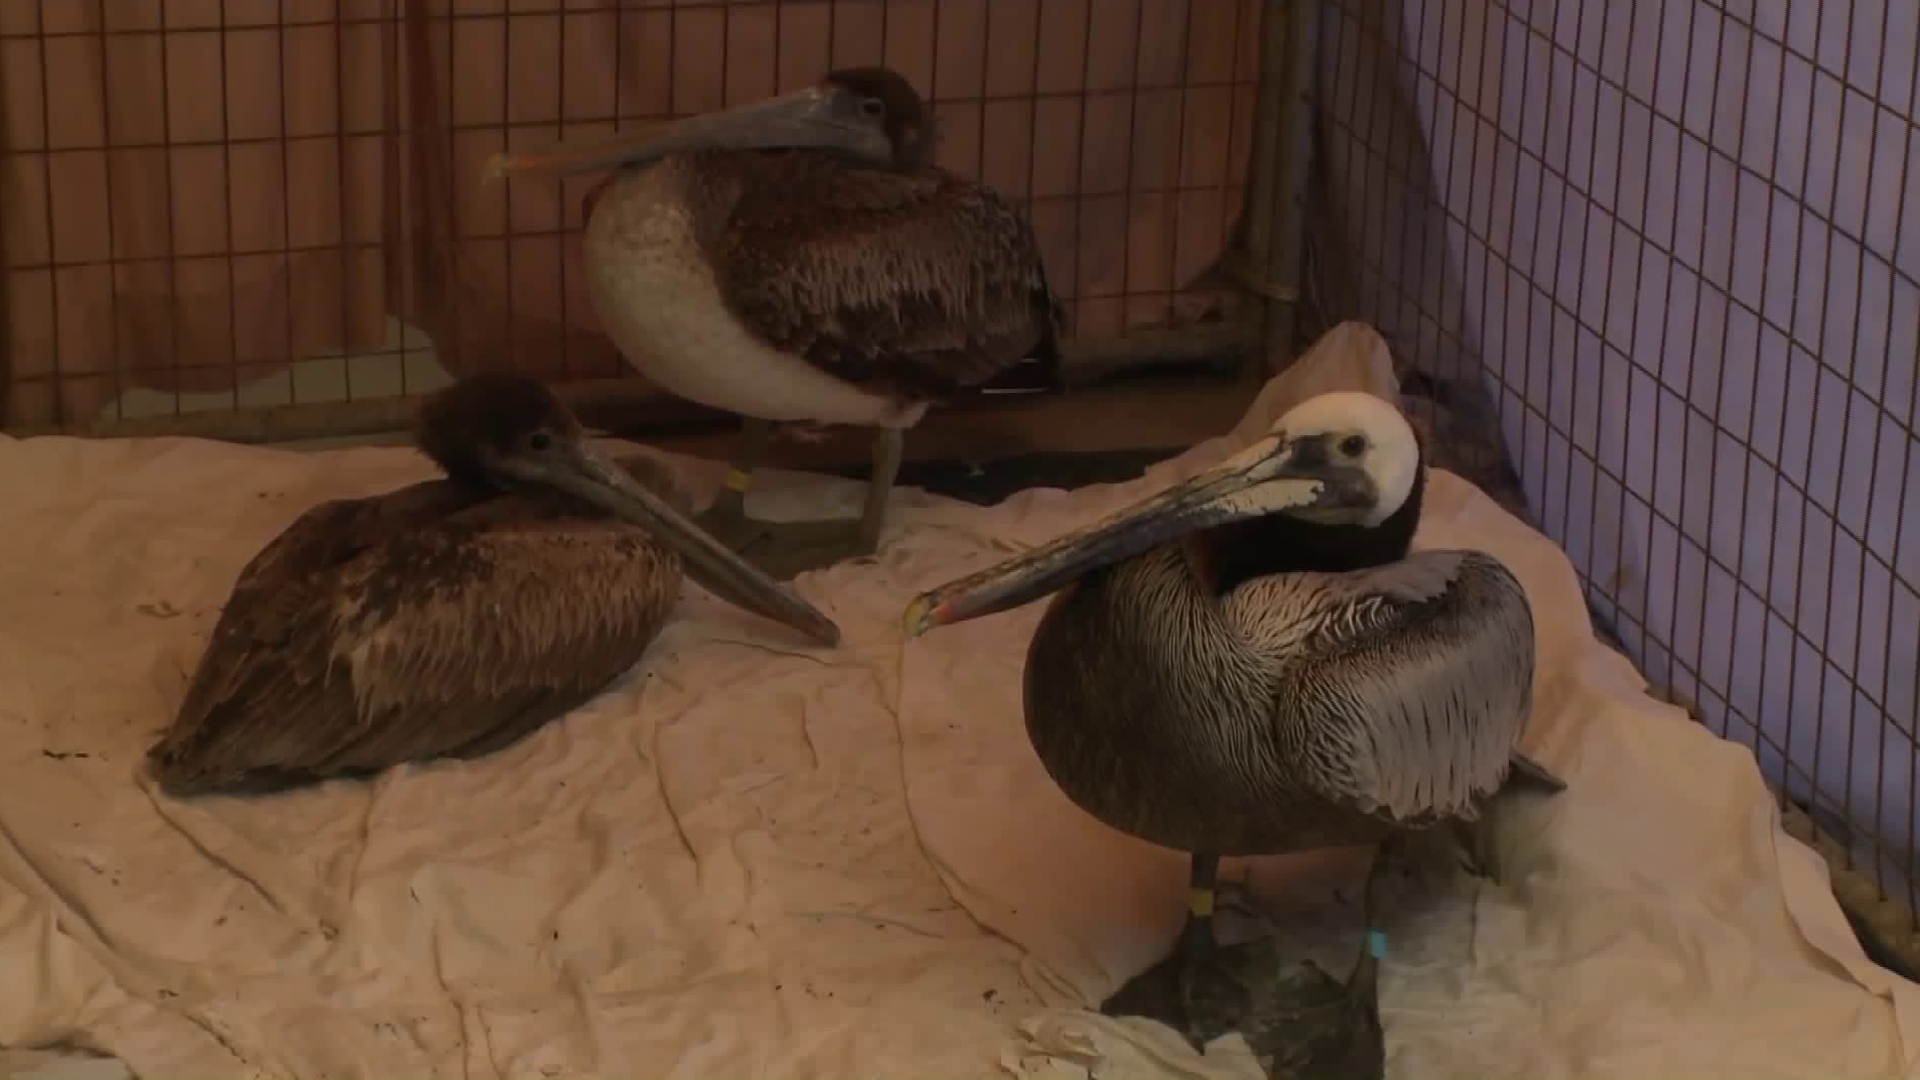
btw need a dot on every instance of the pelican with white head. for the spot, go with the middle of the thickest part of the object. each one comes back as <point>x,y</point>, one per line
<point>1341,458</point>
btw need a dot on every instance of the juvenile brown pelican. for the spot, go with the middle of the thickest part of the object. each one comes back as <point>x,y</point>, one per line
<point>1253,663</point>
<point>801,259</point>
<point>450,617</point>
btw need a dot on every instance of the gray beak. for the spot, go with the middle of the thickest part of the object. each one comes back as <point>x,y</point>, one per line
<point>1295,477</point>
<point>592,477</point>
<point>822,118</point>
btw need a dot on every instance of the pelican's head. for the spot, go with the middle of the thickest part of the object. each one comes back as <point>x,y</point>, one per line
<point>1345,458</point>
<point>499,430</point>
<point>1351,455</point>
<point>512,432</point>
<point>869,114</point>
<point>884,98</point>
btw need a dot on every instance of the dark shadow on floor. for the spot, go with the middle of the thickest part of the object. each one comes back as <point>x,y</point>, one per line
<point>988,482</point>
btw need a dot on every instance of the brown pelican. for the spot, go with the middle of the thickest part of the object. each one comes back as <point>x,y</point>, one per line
<point>801,260</point>
<point>450,617</point>
<point>1252,663</point>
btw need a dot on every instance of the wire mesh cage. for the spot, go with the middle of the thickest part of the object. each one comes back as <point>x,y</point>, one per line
<point>1648,265</point>
<point>262,219</point>
<point>1670,251</point>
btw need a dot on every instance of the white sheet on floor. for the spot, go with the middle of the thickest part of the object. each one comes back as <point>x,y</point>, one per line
<point>757,858</point>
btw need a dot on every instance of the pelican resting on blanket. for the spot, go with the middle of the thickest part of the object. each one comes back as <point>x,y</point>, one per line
<point>450,617</point>
<point>802,260</point>
<point>1252,663</point>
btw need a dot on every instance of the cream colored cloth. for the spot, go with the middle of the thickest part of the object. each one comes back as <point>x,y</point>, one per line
<point>756,858</point>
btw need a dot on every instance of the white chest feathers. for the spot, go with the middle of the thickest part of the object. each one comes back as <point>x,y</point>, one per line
<point>659,302</point>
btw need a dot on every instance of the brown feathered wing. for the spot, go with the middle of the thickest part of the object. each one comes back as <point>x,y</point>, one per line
<point>920,284</point>
<point>425,623</point>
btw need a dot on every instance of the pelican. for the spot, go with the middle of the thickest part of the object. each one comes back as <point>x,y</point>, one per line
<point>800,260</point>
<point>454,616</point>
<point>1252,663</point>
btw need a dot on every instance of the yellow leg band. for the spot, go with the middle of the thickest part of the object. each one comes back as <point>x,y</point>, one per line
<point>1200,902</point>
<point>738,480</point>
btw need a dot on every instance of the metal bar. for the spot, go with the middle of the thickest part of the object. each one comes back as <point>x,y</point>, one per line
<point>53,243</point>
<point>343,201</point>
<point>226,192</point>
<point>1084,363</point>
<point>555,233</point>
<point>285,260</point>
<point>6,310</point>
<point>1297,77</point>
<point>545,126</point>
<point>1179,152</point>
<point>113,239</point>
<point>1081,200</point>
<point>512,343</point>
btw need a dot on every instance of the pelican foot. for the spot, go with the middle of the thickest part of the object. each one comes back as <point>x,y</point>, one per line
<point>785,549</point>
<point>1299,1021</point>
<point>1302,1023</point>
<point>1196,991</point>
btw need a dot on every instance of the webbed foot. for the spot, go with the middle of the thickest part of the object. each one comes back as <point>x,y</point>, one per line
<point>1201,990</point>
<point>1303,1024</point>
<point>1299,1021</point>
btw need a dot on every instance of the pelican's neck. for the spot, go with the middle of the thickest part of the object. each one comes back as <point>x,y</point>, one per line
<point>1228,556</point>
<point>1180,619</point>
<point>459,463</point>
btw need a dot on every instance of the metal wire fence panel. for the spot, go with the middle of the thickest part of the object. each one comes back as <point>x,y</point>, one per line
<point>1676,244</point>
<point>219,203</point>
<point>192,193</point>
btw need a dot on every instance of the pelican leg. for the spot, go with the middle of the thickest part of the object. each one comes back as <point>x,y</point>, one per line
<point>1303,1023</point>
<point>1299,1021</point>
<point>1176,991</point>
<point>889,448</point>
<point>727,518</point>
<point>1363,982</point>
<point>784,549</point>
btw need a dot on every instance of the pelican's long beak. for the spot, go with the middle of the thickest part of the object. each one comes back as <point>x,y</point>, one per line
<point>821,117</point>
<point>1275,475</point>
<point>596,479</point>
